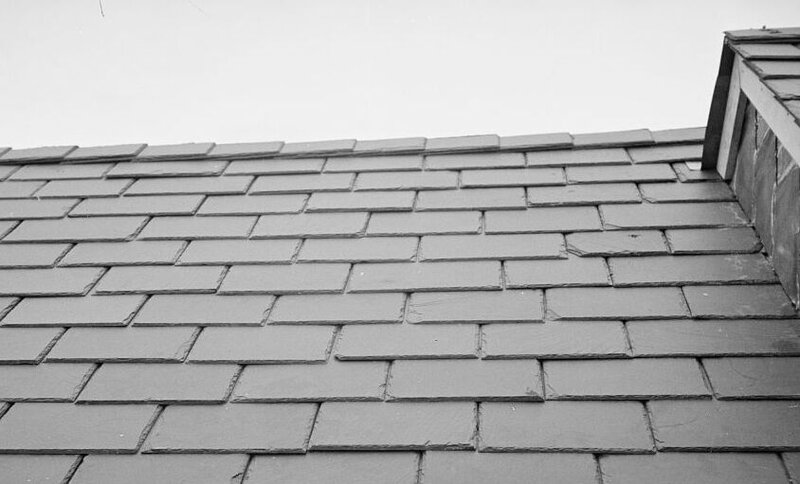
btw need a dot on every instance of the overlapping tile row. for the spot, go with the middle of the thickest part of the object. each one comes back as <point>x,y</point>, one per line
<point>570,314</point>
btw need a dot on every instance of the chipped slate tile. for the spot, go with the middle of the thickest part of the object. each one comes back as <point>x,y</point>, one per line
<point>374,163</point>
<point>160,280</point>
<point>335,468</point>
<point>96,153</point>
<point>513,177</point>
<point>76,429</point>
<point>42,383</point>
<point>730,425</point>
<point>738,301</point>
<point>211,227</point>
<point>252,204</point>
<point>339,309</point>
<point>158,383</point>
<point>282,279</point>
<point>616,243</point>
<point>477,468</point>
<point>310,225</point>
<point>549,219</point>
<point>536,141</point>
<point>83,188</point>
<point>605,156</point>
<point>475,307</point>
<point>589,194</point>
<point>714,338</point>
<point>302,183</point>
<point>609,174</point>
<point>167,169</point>
<point>37,468</point>
<point>574,271</point>
<point>463,143</point>
<point>122,345</point>
<point>474,161</point>
<point>74,311</point>
<point>606,427</point>
<point>630,379</point>
<point>471,380</point>
<point>124,469</point>
<point>189,185</point>
<point>735,378</point>
<point>514,246</point>
<point>48,282</point>
<point>263,345</point>
<point>61,171</point>
<point>25,345</point>
<point>35,209</point>
<point>228,252</point>
<point>400,342</point>
<point>690,269</point>
<point>554,339</point>
<point>393,201</point>
<point>658,154</point>
<point>318,147</point>
<point>471,199</point>
<point>710,241</point>
<point>369,249</point>
<point>686,192</point>
<point>30,155</point>
<point>275,167</point>
<point>669,468</point>
<point>245,150</point>
<point>436,180</point>
<point>77,230</point>
<point>424,223</point>
<point>122,253</point>
<point>392,145</point>
<point>30,255</point>
<point>232,428</point>
<point>616,303</point>
<point>203,310</point>
<point>19,189</point>
<point>175,151</point>
<point>350,381</point>
<point>144,205</point>
<point>629,137</point>
<point>394,426</point>
<point>379,277</point>
<point>673,215</point>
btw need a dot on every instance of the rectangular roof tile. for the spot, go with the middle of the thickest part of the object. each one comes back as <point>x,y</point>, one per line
<point>175,151</point>
<point>48,282</point>
<point>367,249</point>
<point>616,303</point>
<point>31,255</point>
<point>536,141</point>
<point>630,137</point>
<point>475,161</point>
<point>555,339</point>
<point>275,167</point>
<point>390,145</point>
<point>252,204</point>
<point>245,150</point>
<point>463,143</point>
<point>302,183</point>
<point>32,155</point>
<point>318,147</point>
<point>383,201</point>
<point>550,219</point>
<point>211,227</point>
<point>402,341</point>
<point>513,177</point>
<point>160,280</point>
<point>26,345</point>
<point>350,467</point>
<point>93,153</point>
<point>61,171</point>
<point>190,185</point>
<point>44,383</point>
<point>203,310</point>
<point>680,135</point>
<point>74,311</point>
<point>122,253</point>
<point>310,225</point>
<point>283,279</point>
<point>426,276</point>
<point>505,247</point>
<point>263,345</point>
<point>421,223</point>
<point>718,468</point>
<point>339,309</point>
<point>475,307</point>
<point>167,168</point>
<point>599,156</point>
<point>123,345</point>
<point>374,163</point>
<point>229,252</point>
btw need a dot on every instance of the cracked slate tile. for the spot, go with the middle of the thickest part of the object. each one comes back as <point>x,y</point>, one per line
<point>77,230</point>
<point>470,380</point>
<point>123,345</point>
<point>42,383</point>
<point>424,223</point>
<point>605,427</point>
<point>203,310</point>
<point>159,383</point>
<point>144,205</point>
<point>212,227</point>
<point>405,180</point>
<point>19,189</point>
<point>512,177</point>
<point>474,161</point>
<point>267,345</point>
<point>471,199</point>
<point>74,311</point>
<point>37,468</point>
<point>549,219</point>
<point>672,467</point>
<point>622,173</point>
<point>629,379</point>
<point>477,468</point>
<point>616,303</point>
<point>133,469</point>
<point>394,426</point>
<point>252,204</point>
<point>310,225</point>
<point>425,276</point>
<point>576,271</point>
<point>346,381</point>
<point>30,256</point>
<point>505,247</point>
<point>555,339</point>
<point>392,201</point>
<point>229,252</point>
<point>167,168</point>
<point>723,426</point>
<point>658,154</point>
<point>397,342</point>
<point>368,249</point>
<point>74,429</point>
<point>686,192</point>
<point>302,183</point>
<point>285,279</point>
<point>189,185</point>
<point>588,194</point>
<point>673,215</point>
<point>475,307</point>
<point>122,253</point>
<point>232,428</point>
<point>26,345</point>
<point>746,378</point>
<point>48,282</point>
<point>690,269</point>
<point>35,208</point>
<point>715,338</point>
<point>738,301</point>
<point>335,468</point>
<point>339,309</point>
<point>602,156</point>
<point>61,171</point>
<point>616,243</point>
<point>95,153</point>
<point>275,167</point>
<point>83,188</point>
<point>709,241</point>
<point>374,163</point>
<point>160,280</point>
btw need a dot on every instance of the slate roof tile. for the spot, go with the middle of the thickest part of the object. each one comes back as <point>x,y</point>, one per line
<point>219,252</point>
<point>710,241</point>
<point>122,253</point>
<point>768,51</point>
<point>61,171</point>
<point>339,309</point>
<point>275,167</point>
<point>6,170</point>
<point>471,199</point>
<point>475,307</point>
<point>125,469</point>
<point>19,189</point>
<point>152,169</point>
<point>506,247</point>
<point>463,143</point>
<point>616,243</point>
<point>555,339</point>
<point>373,163</point>
<point>74,311</point>
<point>252,204</point>
<point>601,156</point>
<point>160,280</point>
<point>574,271</point>
<point>31,256</point>
<point>393,145</point>
<point>48,282</point>
<point>659,153</point>
<point>690,269</point>
<point>673,215</point>
<point>203,310</point>
<point>77,230</point>
<point>26,345</point>
<point>96,153</point>
<point>245,150</point>
<point>474,161</point>
<point>423,223</point>
<point>616,303</point>
<point>318,147</point>
<point>283,279</point>
<point>123,345</point>
<point>588,194</point>
<point>373,342</point>
<point>310,225</point>
<point>367,249</point>
<point>747,378</point>
<point>144,205</point>
<point>42,383</point>
<point>83,188</point>
<point>43,154</point>
<point>175,151</point>
<point>686,192</point>
<point>680,135</point>
<point>271,344</point>
<point>392,201</point>
<point>211,227</point>
<point>630,137</point>
<point>35,209</point>
<point>664,468</point>
<point>610,174</point>
<point>536,141</point>
<point>767,300</point>
<point>190,185</point>
<point>302,183</point>
<point>512,177</point>
<point>37,468</point>
<point>336,467</point>
<point>548,219</point>
<point>474,468</point>
<point>407,180</point>
<point>433,276</point>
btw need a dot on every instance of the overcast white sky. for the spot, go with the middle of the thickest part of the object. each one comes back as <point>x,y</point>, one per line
<point>164,71</point>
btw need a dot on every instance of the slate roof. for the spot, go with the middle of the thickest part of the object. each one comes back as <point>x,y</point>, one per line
<point>546,308</point>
